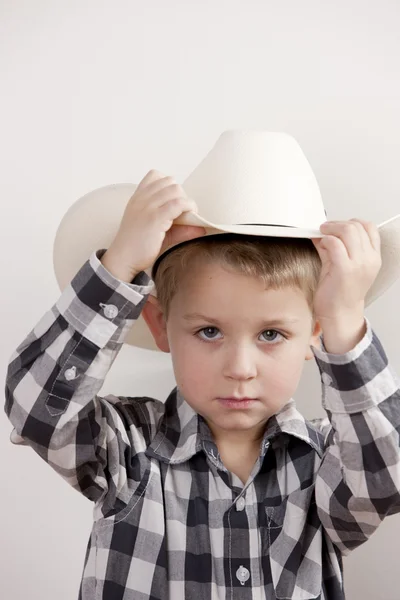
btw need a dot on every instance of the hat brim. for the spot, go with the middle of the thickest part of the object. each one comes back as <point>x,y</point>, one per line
<point>270,230</point>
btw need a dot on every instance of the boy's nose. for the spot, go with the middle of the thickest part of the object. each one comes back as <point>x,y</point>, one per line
<point>240,363</point>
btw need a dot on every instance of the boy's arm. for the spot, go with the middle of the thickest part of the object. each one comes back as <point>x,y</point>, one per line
<point>358,482</point>
<point>55,374</point>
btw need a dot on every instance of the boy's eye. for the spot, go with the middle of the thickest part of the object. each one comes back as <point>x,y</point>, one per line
<point>272,334</point>
<point>208,333</point>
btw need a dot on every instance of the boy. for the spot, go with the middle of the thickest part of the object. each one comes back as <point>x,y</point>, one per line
<point>224,490</point>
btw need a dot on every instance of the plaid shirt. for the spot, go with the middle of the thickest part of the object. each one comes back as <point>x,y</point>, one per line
<point>170,521</point>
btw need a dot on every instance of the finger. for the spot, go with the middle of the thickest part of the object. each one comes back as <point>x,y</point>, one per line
<point>349,233</point>
<point>164,189</point>
<point>175,206</point>
<point>316,242</point>
<point>322,251</point>
<point>150,177</point>
<point>366,248</point>
<point>332,249</point>
<point>181,233</point>
<point>373,233</point>
<point>167,190</point>
<point>365,242</point>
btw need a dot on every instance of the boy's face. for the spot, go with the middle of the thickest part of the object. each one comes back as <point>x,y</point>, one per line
<point>224,341</point>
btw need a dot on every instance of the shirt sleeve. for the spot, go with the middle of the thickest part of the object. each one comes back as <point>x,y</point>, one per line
<point>358,482</point>
<point>54,377</point>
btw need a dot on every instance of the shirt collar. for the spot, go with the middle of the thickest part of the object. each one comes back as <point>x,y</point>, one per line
<point>183,432</point>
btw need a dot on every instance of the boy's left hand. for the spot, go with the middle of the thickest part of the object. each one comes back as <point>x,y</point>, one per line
<point>351,259</point>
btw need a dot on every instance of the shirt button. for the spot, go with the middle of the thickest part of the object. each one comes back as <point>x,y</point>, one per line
<point>241,503</point>
<point>327,379</point>
<point>242,574</point>
<point>70,374</point>
<point>110,310</point>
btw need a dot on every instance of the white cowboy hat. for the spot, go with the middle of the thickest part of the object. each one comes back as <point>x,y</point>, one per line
<point>251,183</point>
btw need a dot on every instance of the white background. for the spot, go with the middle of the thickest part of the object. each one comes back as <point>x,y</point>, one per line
<point>95,92</point>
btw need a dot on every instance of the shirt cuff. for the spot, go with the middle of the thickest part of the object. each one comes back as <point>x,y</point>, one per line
<point>101,307</point>
<point>347,357</point>
<point>356,380</point>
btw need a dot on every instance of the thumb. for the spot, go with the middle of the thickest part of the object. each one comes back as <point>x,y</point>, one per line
<point>181,233</point>
<point>184,233</point>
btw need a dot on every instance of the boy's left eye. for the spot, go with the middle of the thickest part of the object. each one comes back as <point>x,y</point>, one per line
<point>273,332</point>
<point>207,332</point>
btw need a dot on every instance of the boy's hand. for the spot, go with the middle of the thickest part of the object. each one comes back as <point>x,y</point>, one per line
<point>351,259</point>
<point>147,226</point>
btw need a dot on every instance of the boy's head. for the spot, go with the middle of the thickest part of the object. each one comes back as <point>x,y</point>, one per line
<point>236,313</point>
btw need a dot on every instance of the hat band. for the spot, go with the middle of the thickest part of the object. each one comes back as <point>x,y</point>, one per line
<point>265,225</point>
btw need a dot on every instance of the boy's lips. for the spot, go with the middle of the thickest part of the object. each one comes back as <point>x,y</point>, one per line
<point>236,398</point>
<point>234,402</point>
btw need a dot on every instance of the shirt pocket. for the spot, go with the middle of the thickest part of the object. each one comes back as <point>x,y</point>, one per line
<point>295,546</point>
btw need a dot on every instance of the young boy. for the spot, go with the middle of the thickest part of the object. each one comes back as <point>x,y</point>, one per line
<point>225,490</point>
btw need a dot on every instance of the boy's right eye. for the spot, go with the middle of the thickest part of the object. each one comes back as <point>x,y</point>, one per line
<point>207,333</point>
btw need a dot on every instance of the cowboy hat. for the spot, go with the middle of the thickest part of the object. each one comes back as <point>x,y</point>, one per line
<point>250,183</point>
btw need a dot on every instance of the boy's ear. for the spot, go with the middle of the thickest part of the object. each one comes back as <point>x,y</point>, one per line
<point>154,317</point>
<point>314,340</point>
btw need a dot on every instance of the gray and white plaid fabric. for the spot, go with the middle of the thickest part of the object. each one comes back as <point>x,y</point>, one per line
<point>170,522</point>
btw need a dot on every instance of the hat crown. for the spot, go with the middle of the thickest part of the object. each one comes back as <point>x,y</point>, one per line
<point>256,177</point>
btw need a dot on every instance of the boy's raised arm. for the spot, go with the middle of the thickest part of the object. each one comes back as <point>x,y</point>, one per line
<point>56,373</point>
<point>358,482</point>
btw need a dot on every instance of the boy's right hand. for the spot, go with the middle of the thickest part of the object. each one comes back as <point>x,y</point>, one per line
<point>147,227</point>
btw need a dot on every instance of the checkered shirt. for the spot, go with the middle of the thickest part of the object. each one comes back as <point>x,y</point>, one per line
<point>170,521</point>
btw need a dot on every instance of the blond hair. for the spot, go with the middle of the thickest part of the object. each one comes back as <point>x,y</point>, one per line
<point>279,262</point>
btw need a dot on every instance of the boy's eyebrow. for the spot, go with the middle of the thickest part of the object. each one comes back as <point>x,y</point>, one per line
<point>281,321</point>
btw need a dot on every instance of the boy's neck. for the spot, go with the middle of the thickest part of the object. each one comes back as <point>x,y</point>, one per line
<point>238,443</point>
<point>247,442</point>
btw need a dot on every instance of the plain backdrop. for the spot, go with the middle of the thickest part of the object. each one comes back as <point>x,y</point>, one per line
<point>93,93</point>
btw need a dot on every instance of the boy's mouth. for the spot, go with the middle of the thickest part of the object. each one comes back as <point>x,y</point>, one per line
<point>234,402</point>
